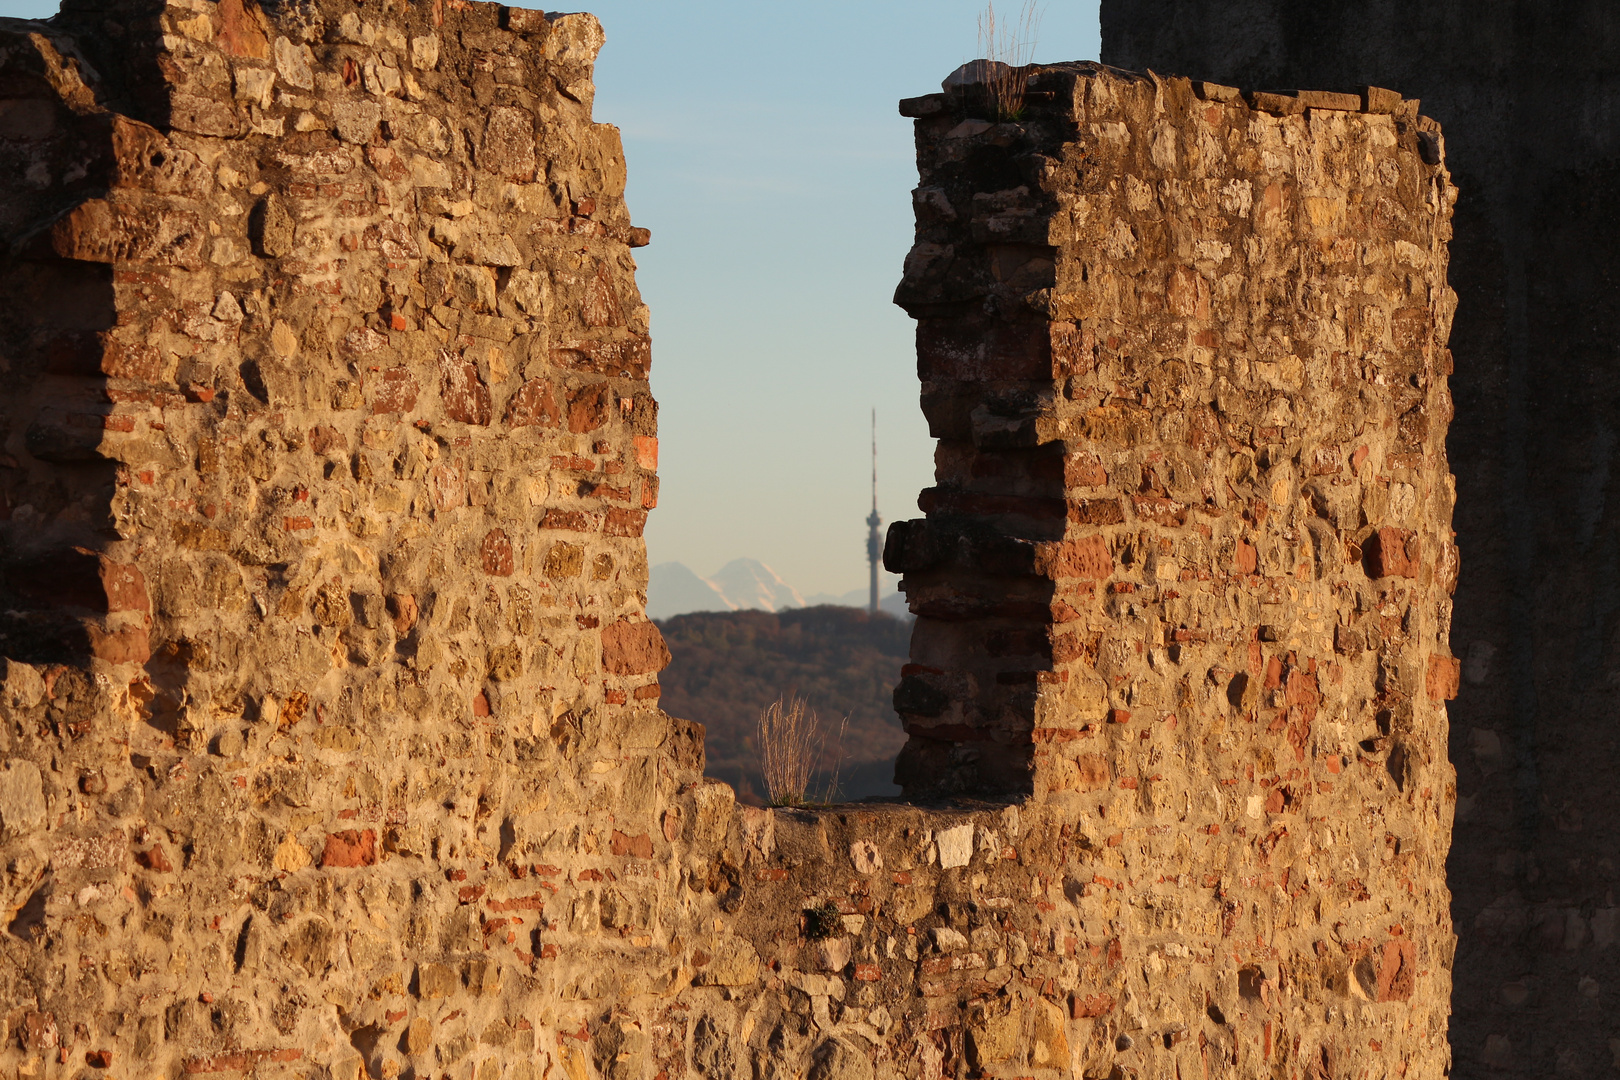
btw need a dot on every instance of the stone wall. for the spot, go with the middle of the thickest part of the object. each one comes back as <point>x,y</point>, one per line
<point>1185,574</point>
<point>331,741</point>
<point>1525,92</point>
<point>328,449</point>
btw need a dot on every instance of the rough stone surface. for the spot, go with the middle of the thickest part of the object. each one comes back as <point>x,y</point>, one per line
<point>331,741</point>
<point>1184,577</point>
<point>1524,90</point>
<point>326,420</point>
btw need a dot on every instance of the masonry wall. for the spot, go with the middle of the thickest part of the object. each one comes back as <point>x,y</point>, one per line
<point>1185,573</point>
<point>1533,445</point>
<point>331,741</point>
<point>328,449</point>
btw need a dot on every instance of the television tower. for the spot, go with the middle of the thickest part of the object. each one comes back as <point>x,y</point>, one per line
<point>874,544</point>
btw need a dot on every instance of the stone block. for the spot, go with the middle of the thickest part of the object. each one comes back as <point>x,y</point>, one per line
<point>955,846</point>
<point>22,798</point>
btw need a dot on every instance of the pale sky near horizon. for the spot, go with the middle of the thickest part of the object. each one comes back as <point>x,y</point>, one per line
<point>767,157</point>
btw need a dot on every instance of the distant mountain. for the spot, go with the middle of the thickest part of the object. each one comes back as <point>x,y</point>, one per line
<point>750,584</point>
<point>729,665</point>
<point>672,589</point>
<point>743,584</point>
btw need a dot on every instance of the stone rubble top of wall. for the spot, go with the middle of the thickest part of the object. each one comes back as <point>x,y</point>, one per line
<point>1368,99</point>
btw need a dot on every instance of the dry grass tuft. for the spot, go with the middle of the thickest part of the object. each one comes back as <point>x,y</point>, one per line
<point>1009,47</point>
<point>791,745</point>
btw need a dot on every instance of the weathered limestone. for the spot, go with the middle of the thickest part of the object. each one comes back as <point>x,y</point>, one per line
<point>331,743</point>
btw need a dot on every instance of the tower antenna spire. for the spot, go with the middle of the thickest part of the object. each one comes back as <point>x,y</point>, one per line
<point>874,543</point>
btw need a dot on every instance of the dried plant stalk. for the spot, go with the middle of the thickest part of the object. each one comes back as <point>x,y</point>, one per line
<point>1009,48</point>
<point>789,747</point>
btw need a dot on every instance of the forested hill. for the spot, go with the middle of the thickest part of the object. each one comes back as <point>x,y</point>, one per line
<point>729,665</point>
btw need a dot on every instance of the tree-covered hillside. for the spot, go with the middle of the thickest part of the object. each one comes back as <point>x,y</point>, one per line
<point>842,661</point>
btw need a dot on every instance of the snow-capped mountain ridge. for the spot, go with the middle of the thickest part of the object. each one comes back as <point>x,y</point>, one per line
<point>742,584</point>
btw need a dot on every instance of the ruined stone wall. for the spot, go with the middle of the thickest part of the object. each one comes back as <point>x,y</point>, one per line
<point>328,448</point>
<point>331,744</point>
<point>1185,574</point>
<point>1525,92</point>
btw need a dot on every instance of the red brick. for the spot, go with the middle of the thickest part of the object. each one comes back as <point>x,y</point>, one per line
<point>125,587</point>
<point>621,359</point>
<point>466,398</point>
<point>1097,512</point>
<point>1087,558</point>
<point>128,360</point>
<point>447,485</point>
<point>1397,971</point>
<point>496,553</point>
<point>588,407</point>
<point>646,452</point>
<point>1394,553</point>
<point>1443,678</point>
<point>1084,469</point>
<point>633,648</point>
<point>572,520</point>
<point>636,847</point>
<point>620,522</point>
<point>1160,510</point>
<point>1411,327</point>
<point>1074,352</point>
<point>535,404</point>
<point>537,902</point>
<point>39,1031</point>
<point>350,848</point>
<point>396,392</point>
<point>240,1061</point>
<point>1086,1006</point>
<point>1050,735</point>
<point>1187,294</point>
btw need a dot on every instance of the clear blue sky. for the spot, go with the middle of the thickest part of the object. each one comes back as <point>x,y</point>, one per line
<point>768,159</point>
